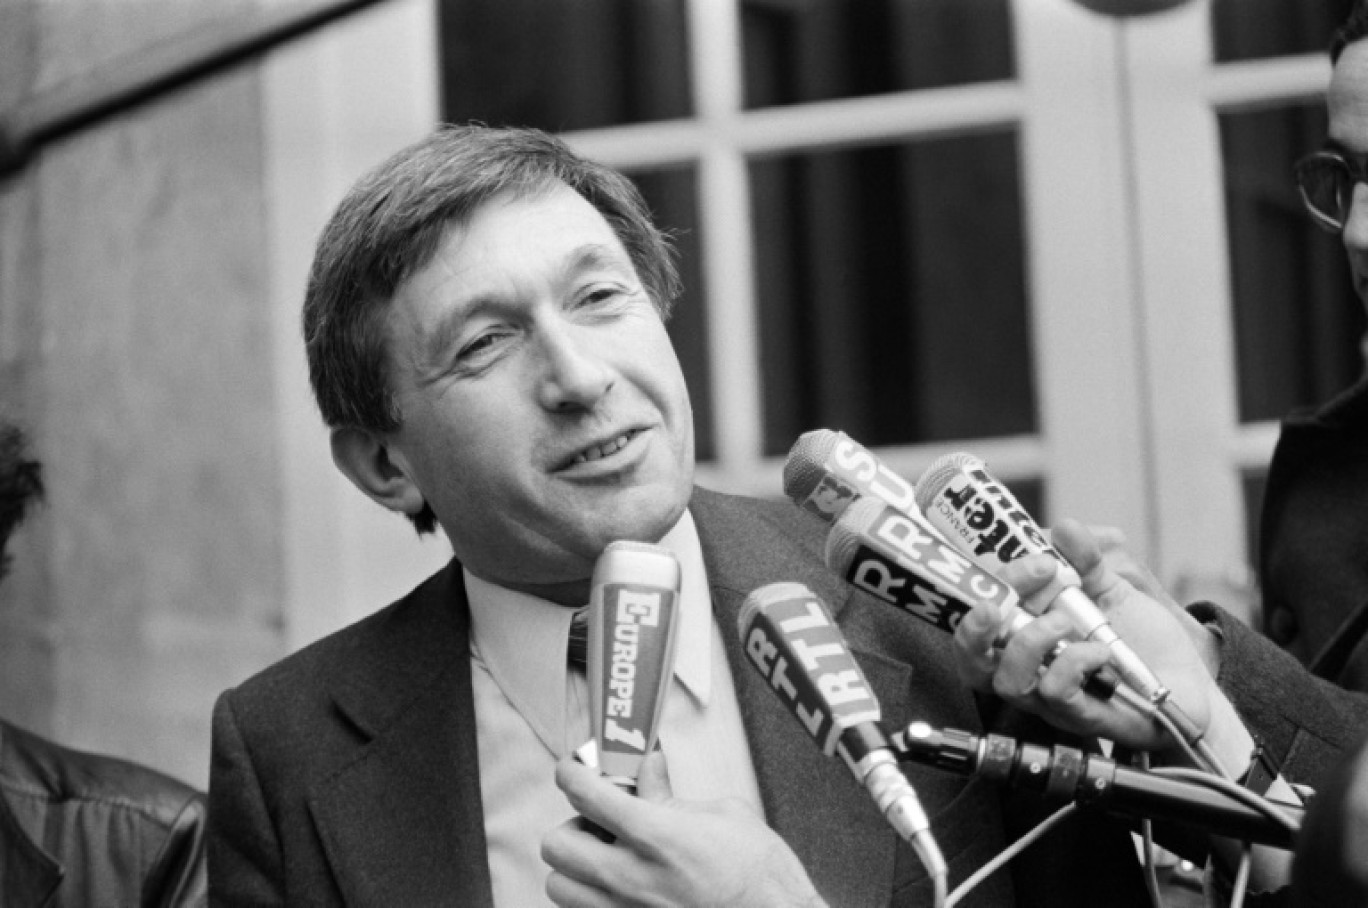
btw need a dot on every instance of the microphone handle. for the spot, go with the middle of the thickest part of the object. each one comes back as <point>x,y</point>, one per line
<point>1092,780</point>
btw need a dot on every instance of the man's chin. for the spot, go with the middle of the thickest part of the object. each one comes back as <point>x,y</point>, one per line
<point>640,521</point>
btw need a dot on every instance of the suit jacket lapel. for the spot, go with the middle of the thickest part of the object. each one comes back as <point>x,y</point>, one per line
<point>401,822</point>
<point>851,856</point>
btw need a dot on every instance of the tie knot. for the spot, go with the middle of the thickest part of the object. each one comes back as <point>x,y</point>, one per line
<point>576,653</point>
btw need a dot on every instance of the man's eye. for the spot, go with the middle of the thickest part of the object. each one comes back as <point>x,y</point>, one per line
<point>481,344</point>
<point>600,295</point>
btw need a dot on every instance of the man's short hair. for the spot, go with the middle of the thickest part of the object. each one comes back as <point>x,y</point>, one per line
<point>21,485</point>
<point>1354,28</point>
<point>390,225</point>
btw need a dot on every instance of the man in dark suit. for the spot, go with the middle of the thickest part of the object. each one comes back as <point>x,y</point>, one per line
<point>485,332</point>
<point>1313,560</point>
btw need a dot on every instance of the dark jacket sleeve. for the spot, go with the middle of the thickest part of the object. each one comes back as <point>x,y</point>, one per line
<point>244,853</point>
<point>1308,724</point>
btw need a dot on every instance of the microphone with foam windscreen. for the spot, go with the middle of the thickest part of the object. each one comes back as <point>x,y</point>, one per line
<point>826,470</point>
<point>982,518</point>
<point>902,560</point>
<point>790,637</point>
<point>633,616</point>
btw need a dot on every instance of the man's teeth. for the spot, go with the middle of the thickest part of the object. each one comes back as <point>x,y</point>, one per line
<point>605,449</point>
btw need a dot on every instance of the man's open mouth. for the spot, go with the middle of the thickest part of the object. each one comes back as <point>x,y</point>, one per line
<point>608,447</point>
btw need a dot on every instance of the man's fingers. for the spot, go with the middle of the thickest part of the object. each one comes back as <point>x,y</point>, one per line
<point>568,892</point>
<point>1029,574</point>
<point>1018,670</point>
<point>977,659</point>
<point>593,796</point>
<point>579,859</point>
<point>653,778</point>
<point>1070,669</point>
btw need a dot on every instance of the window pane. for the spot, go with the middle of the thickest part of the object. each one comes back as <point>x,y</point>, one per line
<point>1297,319</point>
<point>672,197</point>
<point>563,64</point>
<point>892,292</point>
<point>1253,29</point>
<point>823,49</point>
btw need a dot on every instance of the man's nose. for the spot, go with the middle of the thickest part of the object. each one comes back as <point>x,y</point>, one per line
<point>574,375</point>
<point>1356,220</point>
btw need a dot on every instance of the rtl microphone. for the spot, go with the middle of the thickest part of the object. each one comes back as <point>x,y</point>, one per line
<point>790,637</point>
<point>633,615</point>
<point>986,522</point>
<point>1062,773</point>
<point>826,470</point>
<point>901,559</point>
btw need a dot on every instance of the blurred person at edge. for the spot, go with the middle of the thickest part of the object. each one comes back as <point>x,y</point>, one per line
<point>80,829</point>
<point>485,329</point>
<point>1313,560</point>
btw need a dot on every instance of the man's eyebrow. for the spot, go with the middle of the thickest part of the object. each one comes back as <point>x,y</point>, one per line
<point>436,347</point>
<point>596,255</point>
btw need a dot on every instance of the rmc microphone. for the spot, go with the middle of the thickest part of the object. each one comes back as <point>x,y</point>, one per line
<point>790,637</point>
<point>902,560</point>
<point>986,522</point>
<point>1062,773</point>
<point>633,614</point>
<point>826,470</point>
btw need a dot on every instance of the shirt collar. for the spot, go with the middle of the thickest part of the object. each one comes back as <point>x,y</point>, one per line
<point>521,638</point>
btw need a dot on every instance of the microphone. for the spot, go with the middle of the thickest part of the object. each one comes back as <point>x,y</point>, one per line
<point>790,637</point>
<point>1093,780</point>
<point>984,520</point>
<point>633,614</point>
<point>826,470</point>
<point>901,559</point>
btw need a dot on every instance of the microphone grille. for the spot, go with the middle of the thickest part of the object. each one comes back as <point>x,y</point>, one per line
<point>763,596</point>
<point>803,470</point>
<point>938,475</point>
<point>849,532</point>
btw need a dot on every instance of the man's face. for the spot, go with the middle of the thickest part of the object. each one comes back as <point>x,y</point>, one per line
<point>1347,103</point>
<point>544,411</point>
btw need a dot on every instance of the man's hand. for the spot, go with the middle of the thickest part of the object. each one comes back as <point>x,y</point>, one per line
<point>668,851</point>
<point>1163,635</point>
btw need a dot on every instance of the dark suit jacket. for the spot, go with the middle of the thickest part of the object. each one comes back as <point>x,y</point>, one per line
<point>348,772</point>
<point>1313,565</point>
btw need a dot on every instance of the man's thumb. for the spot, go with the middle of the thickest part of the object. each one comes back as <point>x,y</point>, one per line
<point>653,778</point>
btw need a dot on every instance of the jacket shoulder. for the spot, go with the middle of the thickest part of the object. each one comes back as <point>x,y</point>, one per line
<point>331,658</point>
<point>36,766</point>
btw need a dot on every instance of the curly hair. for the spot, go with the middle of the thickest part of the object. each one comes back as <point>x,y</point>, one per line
<point>21,485</point>
<point>391,224</point>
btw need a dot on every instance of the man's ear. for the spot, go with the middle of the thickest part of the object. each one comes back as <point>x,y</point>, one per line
<point>369,463</point>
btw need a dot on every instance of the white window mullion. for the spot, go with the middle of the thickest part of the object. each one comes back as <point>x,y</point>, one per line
<point>1188,326</point>
<point>728,267</point>
<point>1081,267</point>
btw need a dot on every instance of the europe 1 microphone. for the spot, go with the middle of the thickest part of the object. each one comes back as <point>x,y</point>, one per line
<point>790,637</point>
<point>633,616</point>
<point>1091,780</point>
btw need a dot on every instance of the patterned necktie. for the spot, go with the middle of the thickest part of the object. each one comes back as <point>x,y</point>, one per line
<point>578,647</point>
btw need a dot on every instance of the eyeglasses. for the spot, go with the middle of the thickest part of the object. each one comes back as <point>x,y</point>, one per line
<point>1327,180</point>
